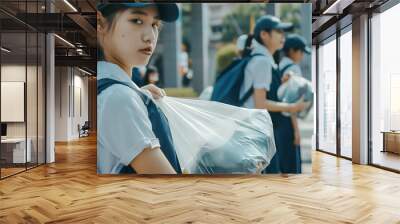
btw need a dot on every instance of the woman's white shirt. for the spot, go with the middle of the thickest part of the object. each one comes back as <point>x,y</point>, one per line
<point>258,72</point>
<point>124,128</point>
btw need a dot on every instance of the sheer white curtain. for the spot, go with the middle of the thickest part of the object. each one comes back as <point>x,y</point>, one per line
<point>346,93</point>
<point>327,96</point>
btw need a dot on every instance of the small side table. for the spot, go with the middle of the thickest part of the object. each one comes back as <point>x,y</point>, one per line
<point>391,141</point>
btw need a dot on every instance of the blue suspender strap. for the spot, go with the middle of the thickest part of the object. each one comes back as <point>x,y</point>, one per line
<point>103,84</point>
<point>158,121</point>
<point>285,68</point>
<point>249,92</point>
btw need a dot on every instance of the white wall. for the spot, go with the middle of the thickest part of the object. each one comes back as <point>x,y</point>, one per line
<point>33,126</point>
<point>69,85</point>
<point>16,73</point>
<point>80,83</point>
<point>61,103</point>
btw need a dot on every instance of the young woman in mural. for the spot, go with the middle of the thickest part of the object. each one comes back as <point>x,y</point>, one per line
<point>127,141</point>
<point>294,49</point>
<point>262,76</point>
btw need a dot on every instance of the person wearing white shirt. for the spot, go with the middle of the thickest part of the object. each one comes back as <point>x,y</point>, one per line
<point>294,49</point>
<point>262,77</point>
<point>127,35</point>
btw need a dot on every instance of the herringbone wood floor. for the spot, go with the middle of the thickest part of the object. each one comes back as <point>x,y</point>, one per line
<point>70,191</point>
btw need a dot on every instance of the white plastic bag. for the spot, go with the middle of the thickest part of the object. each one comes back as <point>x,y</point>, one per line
<point>295,88</point>
<point>212,137</point>
<point>206,94</point>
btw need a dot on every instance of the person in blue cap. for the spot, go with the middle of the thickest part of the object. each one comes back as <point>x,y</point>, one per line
<point>127,36</point>
<point>294,49</point>
<point>262,78</point>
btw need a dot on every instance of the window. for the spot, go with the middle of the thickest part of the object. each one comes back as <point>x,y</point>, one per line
<point>23,79</point>
<point>314,82</point>
<point>385,85</point>
<point>346,94</point>
<point>327,96</point>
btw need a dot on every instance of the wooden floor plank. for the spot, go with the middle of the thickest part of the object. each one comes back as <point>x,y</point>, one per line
<point>70,191</point>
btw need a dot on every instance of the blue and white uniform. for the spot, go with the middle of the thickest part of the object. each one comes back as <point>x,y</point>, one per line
<point>290,66</point>
<point>121,115</point>
<point>258,73</point>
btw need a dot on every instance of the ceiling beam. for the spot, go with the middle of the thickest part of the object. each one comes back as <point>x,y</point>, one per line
<point>83,23</point>
<point>337,6</point>
<point>81,61</point>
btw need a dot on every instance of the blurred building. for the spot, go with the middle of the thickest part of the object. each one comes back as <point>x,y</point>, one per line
<point>217,12</point>
<point>206,29</point>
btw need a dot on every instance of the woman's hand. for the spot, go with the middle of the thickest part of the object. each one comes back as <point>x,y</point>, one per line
<point>300,105</point>
<point>286,77</point>
<point>156,92</point>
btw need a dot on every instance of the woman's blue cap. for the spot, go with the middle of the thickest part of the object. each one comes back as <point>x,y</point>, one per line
<point>168,12</point>
<point>295,41</point>
<point>268,23</point>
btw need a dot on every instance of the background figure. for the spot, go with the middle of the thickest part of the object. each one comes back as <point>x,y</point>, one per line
<point>262,79</point>
<point>151,76</point>
<point>184,66</point>
<point>294,49</point>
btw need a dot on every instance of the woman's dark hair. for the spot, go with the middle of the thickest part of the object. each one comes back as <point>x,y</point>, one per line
<point>247,46</point>
<point>150,69</point>
<point>109,14</point>
<point>257,36</point>
<point>278,55</point>
<point>286,50</point>
<point>247,49</point>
